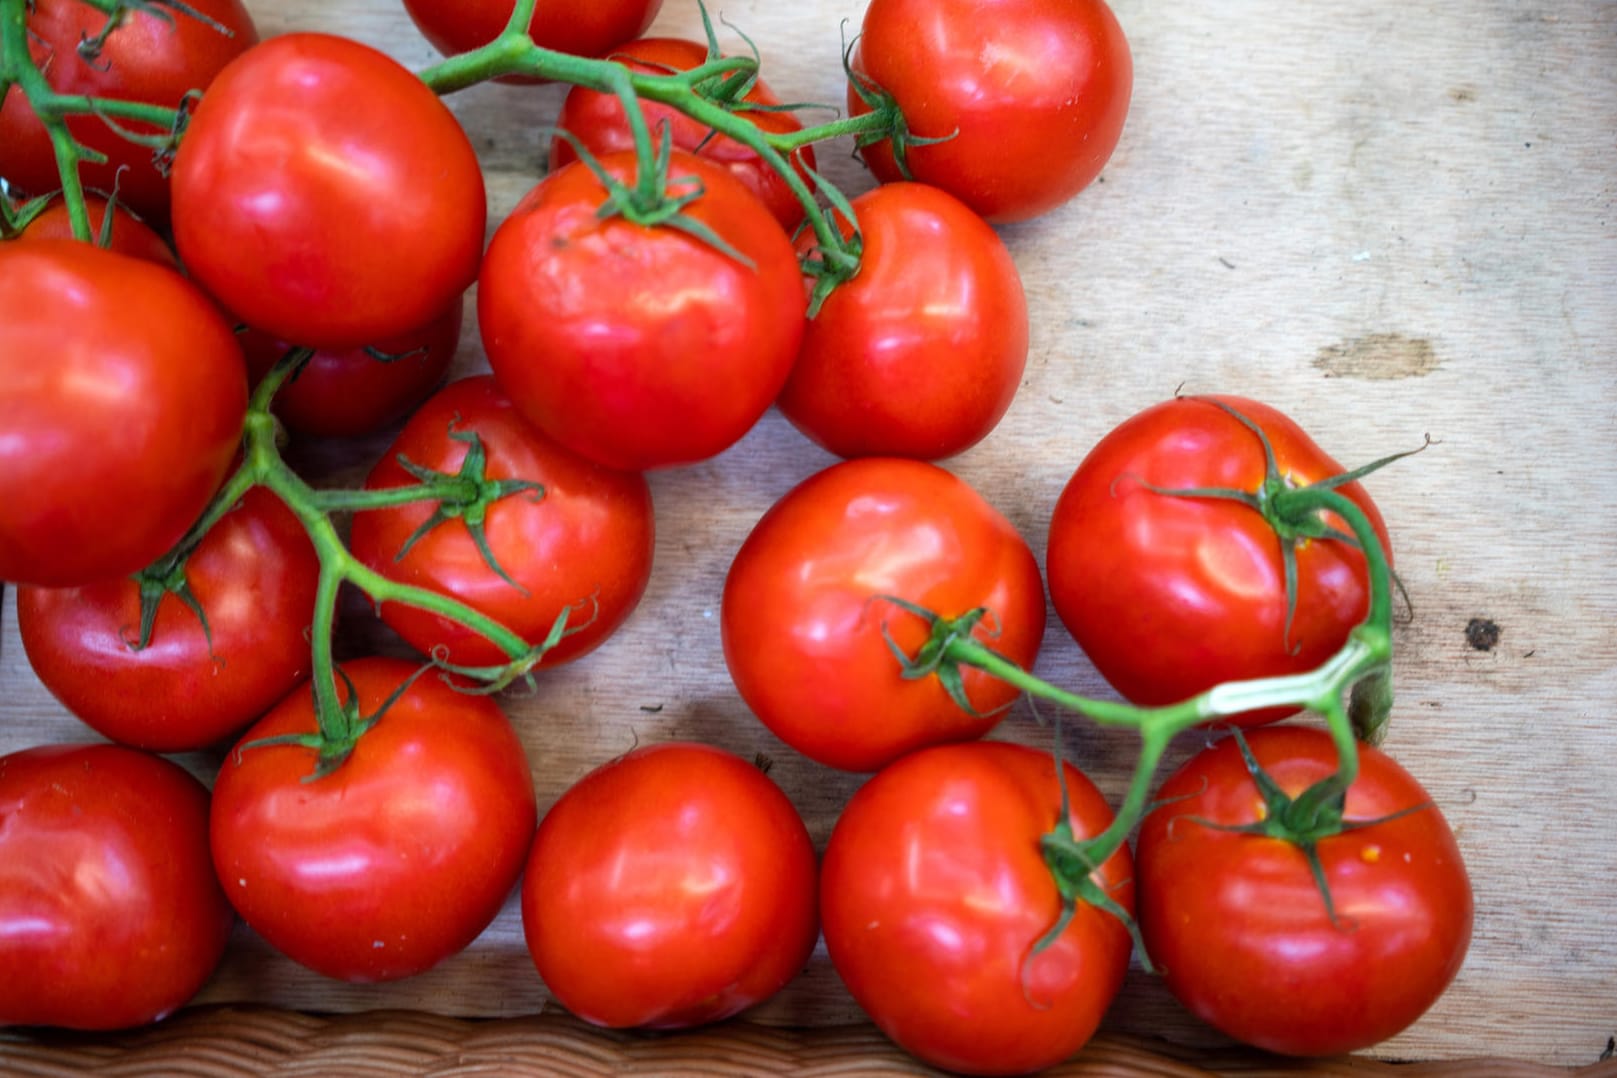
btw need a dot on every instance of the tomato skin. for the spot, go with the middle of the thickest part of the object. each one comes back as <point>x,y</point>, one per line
<point>598,121</point>
<point>920,354</point>
<point>1169,596</point>
<point>1035,127</point>
<point>254,575</point>
<point>400,857</point>
<point>580,27</point>
<point>933,893</point>
<point>640,347</point>
<point>130,235</point>
<point>118,428</point>
<point>147,58</point>
<point>591,534</point>
<point>802,618</point>
<point>345,393</point>
<point>1241,931</point>
<point>671,887</point>
<point>311,253</point>
<point>110,915</point>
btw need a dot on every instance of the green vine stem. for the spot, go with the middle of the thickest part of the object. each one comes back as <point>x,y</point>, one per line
<point>263,465</point>
<point>17,68</point>
<point>515,53</point>
<point>1365,656</point>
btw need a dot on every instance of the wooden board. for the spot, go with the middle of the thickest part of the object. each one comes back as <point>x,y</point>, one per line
<point>1388,220</point>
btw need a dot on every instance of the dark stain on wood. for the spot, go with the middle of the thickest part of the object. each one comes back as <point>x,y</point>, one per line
<point>1482,634</point>
<point>1379,357</point>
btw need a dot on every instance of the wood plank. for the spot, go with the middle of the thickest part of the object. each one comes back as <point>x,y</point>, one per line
<point>1386,219</point>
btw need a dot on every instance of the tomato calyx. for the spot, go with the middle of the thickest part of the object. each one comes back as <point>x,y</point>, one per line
<point>936,656</point>
<point>89,49</point>
<point>1313,816</point>
<point>339,725</point>
<point>467,496</point>
<point>889,123</point>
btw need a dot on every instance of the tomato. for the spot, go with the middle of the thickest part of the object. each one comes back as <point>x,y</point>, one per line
<point>1238,924</point>
<point>1029,96</point>
<point>130,235</point>
<point>580,27</point>
<point>1169,595</point>
<point>640,347</point>
<point>346,392</point>
<point>122,395</point>
<point>398,858</point>
<point>671,887</point>
<point>588,536</point>
<point>806,611</point>
<point>110,915</point>
<point>597,120</point>
<point>934,895</point>
<point>254,577</point>
<point>920,354</point>
<point>326,256</point>
<point>153,56</point>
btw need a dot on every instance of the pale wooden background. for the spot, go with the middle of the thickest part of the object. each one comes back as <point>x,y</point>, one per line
<point>1386,218</point>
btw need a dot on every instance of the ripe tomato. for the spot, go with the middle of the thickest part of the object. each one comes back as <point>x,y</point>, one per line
<point>934,893</point>
<point>1029,96</point>
<point>804,610</point>
<point>1238,924</point>
<point>130,235</point>
<point>589,536</point>
<point>597,120</point>
<point>640,347</point>
<point>308,251</point>
<point>400,857</point>
<point>346,392</point>
<point>1169,595</point>
<point>579,27</point>
<point>110,915</point>
<point>920,354</point>
<point>148,57</point>
<point>671,887</point>
<point>118,426</point>
<point>253,575</point>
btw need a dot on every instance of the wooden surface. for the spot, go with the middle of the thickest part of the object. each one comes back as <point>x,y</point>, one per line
<point>1387,219</point>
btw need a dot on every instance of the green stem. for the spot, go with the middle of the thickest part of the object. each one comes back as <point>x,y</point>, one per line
<point>1366,653</point>
<point>514,53</point>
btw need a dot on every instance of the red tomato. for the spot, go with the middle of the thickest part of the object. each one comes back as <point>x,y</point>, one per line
<point>327,256</point>
<point>1238,924</point>
<point>156,57</point>
<point>920,354</point>
<point>803,612</point>
<point>122,395</point>
<point>1169,596</point>
<point>130,235</point>
<point>598,121</point>
<point>640,347</point>
<point>400,857</point>
<point>589,536</point>
<point>343,393</point>
<point>580,27</point>
<point>671,887</point>
<point>934,893</point>
<point>110,915</point>
<point>1033,93</point>
<point>254,576</point>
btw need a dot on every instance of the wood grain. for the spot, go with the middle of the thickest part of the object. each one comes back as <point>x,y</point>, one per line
<point>1387,219</point>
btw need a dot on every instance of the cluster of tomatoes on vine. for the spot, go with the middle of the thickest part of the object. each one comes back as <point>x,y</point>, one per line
<point>680,270</point>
